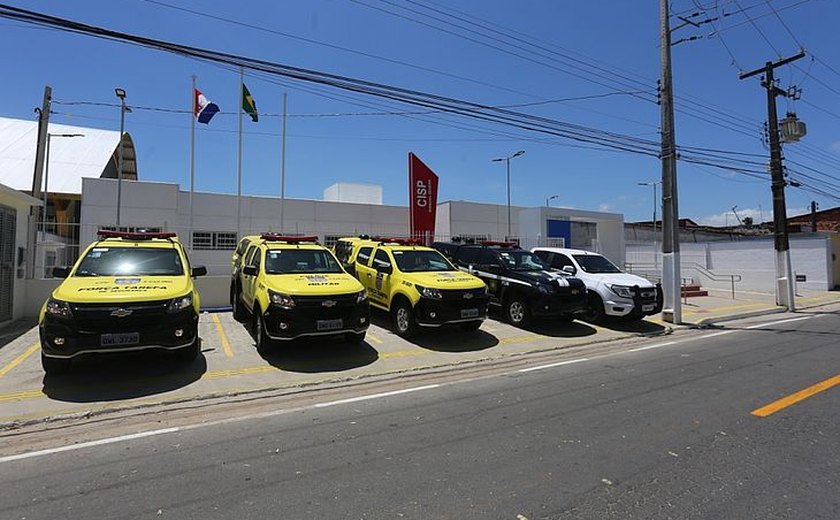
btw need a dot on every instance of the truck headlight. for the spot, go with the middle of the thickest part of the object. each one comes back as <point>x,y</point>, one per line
<point>621,290</point>
<point>59,308</point>
<point>429,292</point>
<point>180,303</point>
<point>282,300</point>
<point>361,296</point>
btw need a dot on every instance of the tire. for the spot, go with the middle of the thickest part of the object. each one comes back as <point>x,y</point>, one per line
<point>261,339</point>
<point>55,366</point>
<point>471,325</point>
<point>354,339</point>
<point>187,355</point>
<point>240,314</point>
<point>517,312</point>
<point>595,309</point>
<point>565,318</point>
<point>403,316</point>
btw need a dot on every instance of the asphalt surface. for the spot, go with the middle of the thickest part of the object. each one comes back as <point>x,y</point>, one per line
<point>664,430</point>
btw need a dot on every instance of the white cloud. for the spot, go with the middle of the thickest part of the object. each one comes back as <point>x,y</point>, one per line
<point>605,206</point>
<point>727,218</point>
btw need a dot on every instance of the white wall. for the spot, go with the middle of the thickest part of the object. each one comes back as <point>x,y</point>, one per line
<point>21,205</point>
<point>149,204</point>
<point>754,260</point>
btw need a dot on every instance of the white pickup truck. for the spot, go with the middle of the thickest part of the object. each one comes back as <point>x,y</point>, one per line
<point>611,292</point>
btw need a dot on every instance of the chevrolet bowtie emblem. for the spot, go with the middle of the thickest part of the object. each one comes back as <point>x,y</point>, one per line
<point>328,303</point>
<point>468,296</point>
<point>121,313</point>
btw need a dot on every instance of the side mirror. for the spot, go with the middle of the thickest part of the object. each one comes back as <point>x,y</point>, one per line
<point>569,269</point>
<point>61,272</point>
<point>199,270</point>
<point>250,270</point>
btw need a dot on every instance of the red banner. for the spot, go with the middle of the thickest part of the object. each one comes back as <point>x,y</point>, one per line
<point>422,196</point>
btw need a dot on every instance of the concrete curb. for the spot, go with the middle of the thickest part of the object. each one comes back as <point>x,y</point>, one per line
<point>760,312</point>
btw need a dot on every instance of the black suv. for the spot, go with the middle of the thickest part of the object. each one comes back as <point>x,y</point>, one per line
<point>518,281</point>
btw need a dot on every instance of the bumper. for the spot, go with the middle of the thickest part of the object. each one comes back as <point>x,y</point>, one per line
<point>68,338</point>
<point>435,313</point>
<point>288,324</point>
<point>558,305</point>
<point>642,304</point>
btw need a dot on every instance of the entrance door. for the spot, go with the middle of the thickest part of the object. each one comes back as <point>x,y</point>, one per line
<point>7,261</point>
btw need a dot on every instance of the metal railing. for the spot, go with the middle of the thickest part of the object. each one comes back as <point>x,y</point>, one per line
<point>640,268</point>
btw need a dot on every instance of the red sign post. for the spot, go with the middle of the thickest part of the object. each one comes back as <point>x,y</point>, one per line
<point>422,196</point>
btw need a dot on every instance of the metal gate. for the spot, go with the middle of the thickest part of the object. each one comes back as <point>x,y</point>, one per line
<point>7,261</point>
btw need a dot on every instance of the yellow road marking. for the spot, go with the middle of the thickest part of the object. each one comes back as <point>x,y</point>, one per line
<point>400,354</point>
<point>222,336</point>
<point>728,308</point>
<point>520,339</point>
<point>794,398</point>
<point>374,338</point>
<point>20,359</point>
<point>24,394</point>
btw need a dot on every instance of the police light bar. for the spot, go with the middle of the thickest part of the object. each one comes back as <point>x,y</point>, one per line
<point>498,244</point>
<point>135,235</point>
<point>273,237</point>
<point>400,241</point>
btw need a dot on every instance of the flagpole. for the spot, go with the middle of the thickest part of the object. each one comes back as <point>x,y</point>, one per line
<point>283,169</point>
<point>192,157</point>
<point>239,160</point>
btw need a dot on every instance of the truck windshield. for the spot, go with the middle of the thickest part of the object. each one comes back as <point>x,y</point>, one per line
<point>131,261</point>
<point>596,264</point>
<point>420,261</point>
<point>522,261</point>
<point>286,261</point>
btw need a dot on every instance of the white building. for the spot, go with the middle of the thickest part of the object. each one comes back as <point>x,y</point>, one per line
<point>14,217</point>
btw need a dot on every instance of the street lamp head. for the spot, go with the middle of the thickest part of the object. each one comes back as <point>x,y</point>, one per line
<point>67,135</point>
<point>500,159</point>
<point>517,154</point>
<point>120,93</point>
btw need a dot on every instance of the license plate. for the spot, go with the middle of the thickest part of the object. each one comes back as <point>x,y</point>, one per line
<point>469,313</point>
<point>329,324</point>
<point>649,307</point>
<point>117,340</point>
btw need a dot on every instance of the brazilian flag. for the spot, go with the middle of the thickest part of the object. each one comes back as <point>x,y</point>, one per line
<point>248,104</point>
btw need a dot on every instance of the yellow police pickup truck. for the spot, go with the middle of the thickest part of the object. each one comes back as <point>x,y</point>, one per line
<point>290,287</point>
<point>127,292</point>
<point>417,285</point>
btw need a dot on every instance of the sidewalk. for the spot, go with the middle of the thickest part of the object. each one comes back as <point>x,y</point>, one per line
<point>720,306</point>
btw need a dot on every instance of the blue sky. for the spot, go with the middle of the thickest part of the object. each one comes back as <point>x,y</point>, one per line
<point>333,137</point>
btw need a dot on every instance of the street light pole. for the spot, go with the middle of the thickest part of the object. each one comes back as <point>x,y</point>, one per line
<point>549,199</point>
<point>120,94</point>
<point>653,183</point>
<point>507,161</point>
<point>47,175</point>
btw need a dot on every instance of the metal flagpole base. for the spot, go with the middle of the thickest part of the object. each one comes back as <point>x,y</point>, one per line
<point>785,295</point>
<point>671,288</point>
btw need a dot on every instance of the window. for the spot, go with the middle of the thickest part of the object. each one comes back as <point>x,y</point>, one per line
<point>364,255</point>
<point>381,260</point>
<point>596,264</point>
<point>130,261</point>
<point>560,261</point>
<point>258,259</point>
<point>487,258</point>
<point>545,256</point>
<point>420,261</point>
<point>250,256</point>
<point>285,261</point>
<point>243,245</point>
<point>468,256</point>
<point>214,240</point>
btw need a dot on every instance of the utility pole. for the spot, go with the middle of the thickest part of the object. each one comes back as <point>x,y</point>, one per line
<point>813,216</point>
<point>671,279</point>
<point>784,273</point>
<point>37,179</point>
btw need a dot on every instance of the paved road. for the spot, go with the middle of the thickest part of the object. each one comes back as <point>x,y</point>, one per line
<point>662,431</point>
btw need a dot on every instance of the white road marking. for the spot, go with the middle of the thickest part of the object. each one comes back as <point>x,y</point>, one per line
<point>639,349</point>
<point>552,365</point>
<point>81,445</point>
<point>375,396</point>
<point>716,334</point>
<point>778,322</point>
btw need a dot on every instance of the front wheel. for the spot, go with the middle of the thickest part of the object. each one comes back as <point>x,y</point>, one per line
<point>261,339</point>
<point>565,318</point>
<point>54,366</point>
<point>517,312</point>
<point>404,320</point>
<point>239,312</point>
<point>188,354</point>
<point>594,309</point>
